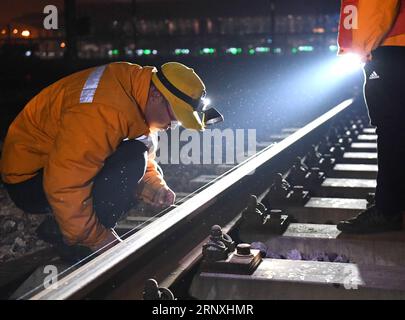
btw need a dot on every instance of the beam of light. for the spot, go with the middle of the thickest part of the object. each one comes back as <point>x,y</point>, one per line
<point>297,89</point>
<point>288,91</point>
<point>347,64</point>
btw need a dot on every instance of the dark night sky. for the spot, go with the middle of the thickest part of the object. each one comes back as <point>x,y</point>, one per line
<point>11,9</point>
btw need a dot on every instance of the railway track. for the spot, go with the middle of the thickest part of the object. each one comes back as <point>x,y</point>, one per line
<point>296,251</point>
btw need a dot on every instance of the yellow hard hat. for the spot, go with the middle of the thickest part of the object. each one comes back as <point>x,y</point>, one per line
<point>185,92</point>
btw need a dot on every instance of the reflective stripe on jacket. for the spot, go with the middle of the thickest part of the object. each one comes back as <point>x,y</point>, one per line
<point>69,129</point>
<point>367,24</point>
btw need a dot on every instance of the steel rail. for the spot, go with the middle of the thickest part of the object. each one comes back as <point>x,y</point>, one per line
<point>135,251</point>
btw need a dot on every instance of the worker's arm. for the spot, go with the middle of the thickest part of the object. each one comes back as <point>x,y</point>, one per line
<point>88,134</point>
<point>375,18</point>
<point>153,188</point>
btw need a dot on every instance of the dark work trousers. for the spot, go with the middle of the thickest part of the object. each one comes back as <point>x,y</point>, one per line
<point>384,92</point>
<point>113,188</point>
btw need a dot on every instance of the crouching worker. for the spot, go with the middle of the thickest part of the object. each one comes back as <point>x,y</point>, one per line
<point>84,146</point>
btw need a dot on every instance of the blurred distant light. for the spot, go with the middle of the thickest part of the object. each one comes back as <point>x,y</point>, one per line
<point>25,33</point>
<point>305,48</point>
<point>146,52</point>
<point>294,50</point>
<point>15,31</point>
<point>234,51</point>
<point>3,31</point>
<point>277,50</point>
<point>333,47</point>
<point>262,49</point>
<point>318,30</point>
<point>62,45</point>
<point>28,53</point>
<point>110,53</point>
<point>347,64</point>
<point>252,51</point>
<point>115,52</point>
<point>181,51</point>
<point>207,51</point>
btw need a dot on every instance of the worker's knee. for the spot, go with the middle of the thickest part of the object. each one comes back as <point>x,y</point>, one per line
<point>114,186</point>
<point>130,159</point>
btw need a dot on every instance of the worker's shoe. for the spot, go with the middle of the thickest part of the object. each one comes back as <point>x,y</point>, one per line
<point>371,221</point>
<point>49,231</point>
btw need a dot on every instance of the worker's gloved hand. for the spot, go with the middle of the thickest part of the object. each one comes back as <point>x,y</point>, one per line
<point>158,196</point>
<point>111,240</point>
<point>164,197</point>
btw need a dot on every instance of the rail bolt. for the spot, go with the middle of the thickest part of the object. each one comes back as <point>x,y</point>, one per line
<point>243,249</point>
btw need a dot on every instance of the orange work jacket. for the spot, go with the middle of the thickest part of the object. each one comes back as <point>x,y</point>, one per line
<point>366,25</point>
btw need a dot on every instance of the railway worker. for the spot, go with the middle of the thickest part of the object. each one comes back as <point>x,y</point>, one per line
<point>377,34</point>
<point>84,146</point>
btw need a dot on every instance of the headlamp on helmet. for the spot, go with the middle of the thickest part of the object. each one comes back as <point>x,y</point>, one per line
<point>201,106</point>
